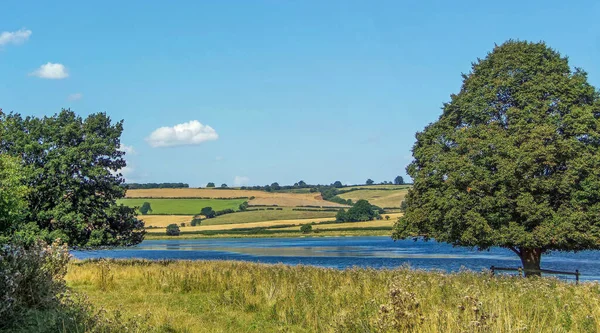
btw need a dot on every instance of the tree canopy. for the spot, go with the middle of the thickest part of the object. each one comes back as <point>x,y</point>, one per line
<point>70,167</point>
<point>369,181</point>
<point>513,161</point>
<point>399,180</point>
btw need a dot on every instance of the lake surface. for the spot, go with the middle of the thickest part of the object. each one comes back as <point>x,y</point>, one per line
<point>345,252</point>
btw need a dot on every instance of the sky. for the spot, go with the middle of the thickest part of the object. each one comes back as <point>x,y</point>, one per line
<point>255,92</point>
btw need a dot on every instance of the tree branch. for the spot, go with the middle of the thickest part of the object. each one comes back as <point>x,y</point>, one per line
<point>515,250</point>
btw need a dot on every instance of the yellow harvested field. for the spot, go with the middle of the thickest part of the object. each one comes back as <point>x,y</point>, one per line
<point>164,220</point>
<point>264,224</point>
<point>260,197</point>
<point>379,223</point>
<point>381,198</point>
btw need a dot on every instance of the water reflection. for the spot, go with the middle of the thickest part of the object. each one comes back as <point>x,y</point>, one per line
<point>343,252</point>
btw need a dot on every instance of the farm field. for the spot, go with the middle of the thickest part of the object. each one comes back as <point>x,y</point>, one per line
<point>266,215</point>
<point>262,224</point>
<point>286,199</point>
<point>358,225</point>
<point>164,220</point>
<point>183,206</point>
<point>228,296</point>
<point>381,198</point>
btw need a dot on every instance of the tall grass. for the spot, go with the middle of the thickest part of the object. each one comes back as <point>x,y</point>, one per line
<point>222,296</point>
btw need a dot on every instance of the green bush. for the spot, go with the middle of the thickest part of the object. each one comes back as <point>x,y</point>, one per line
<point>30,278</point>
<point>173,230</point>
<point>306,228</point>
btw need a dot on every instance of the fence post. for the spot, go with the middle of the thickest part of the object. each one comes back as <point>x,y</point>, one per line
<point>576,276</point>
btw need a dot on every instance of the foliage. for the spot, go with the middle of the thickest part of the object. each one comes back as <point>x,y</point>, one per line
<point>71,169</point>
<point>399,180</point>
<point>145,208</point>
<point>243,206</point>
<point>208,212</point>
<point>514,159</point>
<point>361,211</point>
<point>275,186</point>
<point>306,228</point>
<point>223,185</point>
<point>337,184</point>
<point>210,184</point>
<point>369,181</point>
<point>197,220</point>
<point>173,230</point>
<point>12,196</point>
<point>30,278</point>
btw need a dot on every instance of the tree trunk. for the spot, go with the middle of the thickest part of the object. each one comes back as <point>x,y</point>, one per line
<point>531,258</point>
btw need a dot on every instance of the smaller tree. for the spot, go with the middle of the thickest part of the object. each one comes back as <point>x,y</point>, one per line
<point>306,228</point>
<point>243,206</point>
<point>268,188</point>
<point>341,215</point>
<point>275,186</point>
<point>173,230</point>
<point>223,185</point>
<point>208,212</point>
<point>369,181</point>
<point>301,184</point>
<point>387,217</point>
<point>399,180</point>
<point>145,208</point>
<point>211,184</point>
<point>337,184</point>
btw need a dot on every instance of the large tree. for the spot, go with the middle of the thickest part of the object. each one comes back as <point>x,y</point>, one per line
<point>71,168</point>
<point>399,180</point>
<point>513,161</point>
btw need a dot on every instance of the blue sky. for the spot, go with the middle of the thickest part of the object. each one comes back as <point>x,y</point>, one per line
<point>312,90</point>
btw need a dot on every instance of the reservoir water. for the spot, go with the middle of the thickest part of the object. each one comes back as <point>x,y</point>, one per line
<point>346,252</point>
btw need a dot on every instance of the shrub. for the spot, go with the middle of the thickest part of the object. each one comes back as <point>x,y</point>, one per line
<point>145,208</point>
<point>278,208</point>
<point>387,217</point>
<point>31,278</point>
<point>196,221</point>
<point>182,224</point>
<point>208,212</point>
<point>173,230</point>
<point>306,228</point>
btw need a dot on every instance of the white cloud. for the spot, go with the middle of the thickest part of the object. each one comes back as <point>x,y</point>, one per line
<point>15,37</point>
<point>240,180</point>
<point>51,71</point>
<point>190,133</point>
<point>126,172</point>
<point>75,97</point>
<point>127,149</point>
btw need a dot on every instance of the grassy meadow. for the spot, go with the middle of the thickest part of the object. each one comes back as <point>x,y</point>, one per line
<point>183,206</point>
<point>222,296</point>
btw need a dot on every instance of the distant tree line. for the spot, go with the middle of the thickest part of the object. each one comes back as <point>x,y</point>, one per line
<point>135,186</point>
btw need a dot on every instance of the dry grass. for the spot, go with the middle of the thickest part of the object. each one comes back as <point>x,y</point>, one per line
<point>264,224</point>
<point>164,220</point>
<point>381,198</point>
<point>260,197</point>
<point>369,224</point>
<point>225,296</point>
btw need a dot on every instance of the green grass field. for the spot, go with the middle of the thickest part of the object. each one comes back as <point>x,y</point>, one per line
<point>183,206</point>
<point>266,215</point>
<point>226,296</point>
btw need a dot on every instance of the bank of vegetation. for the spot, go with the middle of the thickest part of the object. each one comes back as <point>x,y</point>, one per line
<point>205,296</point>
